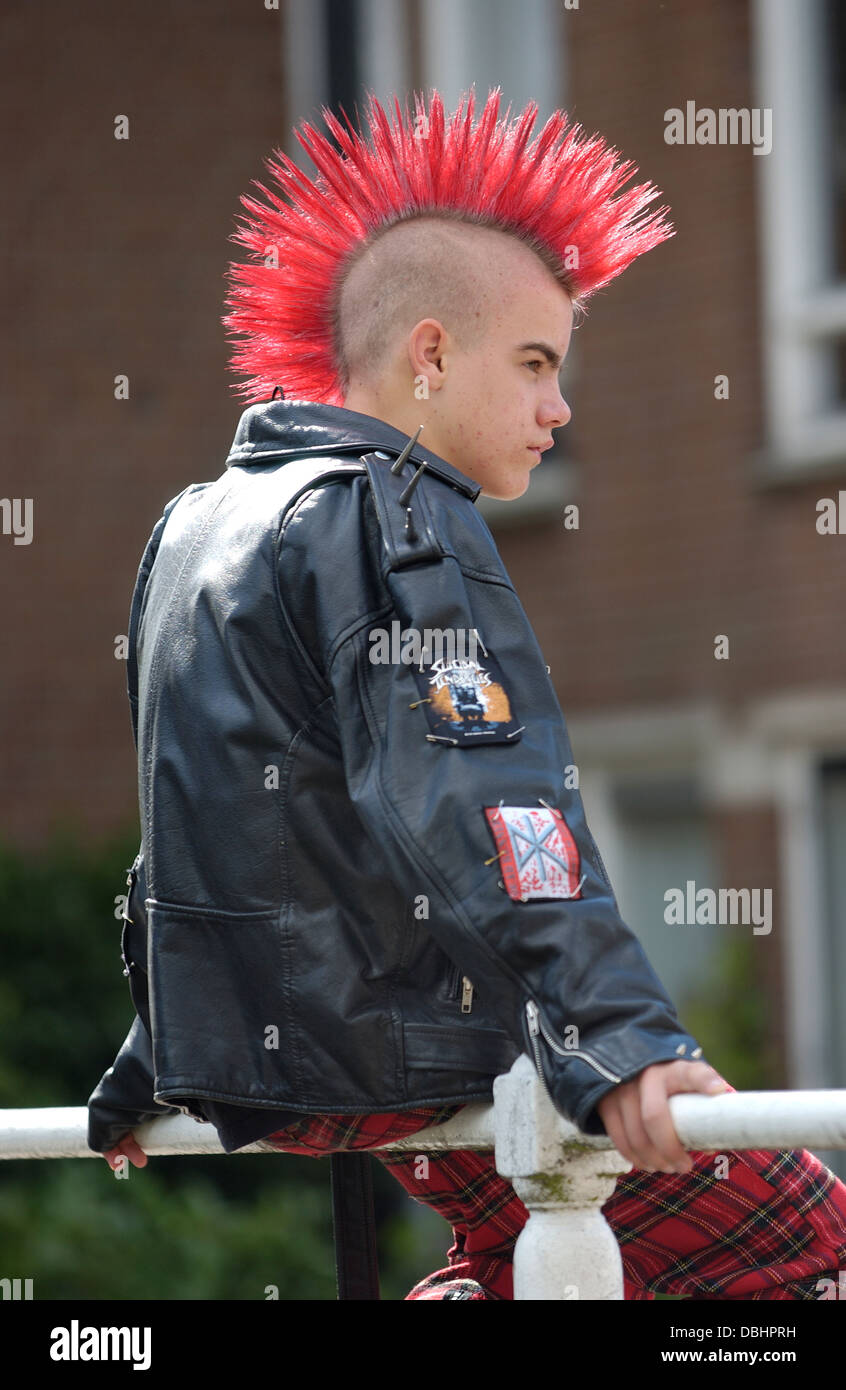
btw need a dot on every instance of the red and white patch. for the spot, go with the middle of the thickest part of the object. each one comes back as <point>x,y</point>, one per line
<point>538,855</point>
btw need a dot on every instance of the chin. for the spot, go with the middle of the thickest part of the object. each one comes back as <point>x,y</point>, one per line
<point>508,492</point>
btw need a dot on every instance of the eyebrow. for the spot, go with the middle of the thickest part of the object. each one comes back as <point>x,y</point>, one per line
<point>549,353</point>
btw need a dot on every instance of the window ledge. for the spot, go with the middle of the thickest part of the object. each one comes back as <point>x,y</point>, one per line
<point>820,453</point>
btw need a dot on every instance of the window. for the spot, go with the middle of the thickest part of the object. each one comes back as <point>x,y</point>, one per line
<point>663,841</point>
<point>800,53</point>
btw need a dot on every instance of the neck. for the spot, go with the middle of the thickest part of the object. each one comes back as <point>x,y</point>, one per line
<point>405,418</point>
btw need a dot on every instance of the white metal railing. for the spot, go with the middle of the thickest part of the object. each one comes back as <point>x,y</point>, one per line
<point>566,1248</point>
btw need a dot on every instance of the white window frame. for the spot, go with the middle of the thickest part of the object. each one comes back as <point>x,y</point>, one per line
<point>803,304</point>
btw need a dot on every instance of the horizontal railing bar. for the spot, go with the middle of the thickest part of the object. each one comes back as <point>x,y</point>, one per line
<point>62,1132</point>
<point>737,1120</point>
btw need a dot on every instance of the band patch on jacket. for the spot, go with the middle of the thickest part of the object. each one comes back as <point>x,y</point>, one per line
<point>466,701</point>
<point>538,856</point>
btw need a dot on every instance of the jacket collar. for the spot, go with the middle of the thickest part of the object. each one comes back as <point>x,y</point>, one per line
<point>294,429</point>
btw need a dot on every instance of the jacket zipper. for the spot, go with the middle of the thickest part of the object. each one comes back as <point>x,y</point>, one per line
<point>537,1026</point>
<point>531,1011</point>
<point>459,982</point>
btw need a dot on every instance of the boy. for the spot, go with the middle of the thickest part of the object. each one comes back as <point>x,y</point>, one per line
<point>366,883</point>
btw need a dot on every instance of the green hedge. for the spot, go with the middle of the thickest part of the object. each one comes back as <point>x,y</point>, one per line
<point>189,1227</point>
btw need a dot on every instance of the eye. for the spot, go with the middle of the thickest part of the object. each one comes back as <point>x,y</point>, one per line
<point>536,362</point>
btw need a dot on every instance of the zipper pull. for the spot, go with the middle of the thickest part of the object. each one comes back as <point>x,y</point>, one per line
<point>532,1015</point>
<point>466,995</point>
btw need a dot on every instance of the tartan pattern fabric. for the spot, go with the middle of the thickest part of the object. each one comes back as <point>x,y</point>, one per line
<point>772,1228</point>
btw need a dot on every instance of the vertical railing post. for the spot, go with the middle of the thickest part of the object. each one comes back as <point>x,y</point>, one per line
<point>566,1250</point>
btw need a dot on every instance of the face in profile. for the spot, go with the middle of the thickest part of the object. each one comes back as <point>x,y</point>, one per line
<point>500,400</point>
<point>481,373</point>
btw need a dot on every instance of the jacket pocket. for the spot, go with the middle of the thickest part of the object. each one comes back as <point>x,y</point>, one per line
<point>221,1000</point>
<point>454,982</point>
<point>437,1047</point>
<point>460,989</point>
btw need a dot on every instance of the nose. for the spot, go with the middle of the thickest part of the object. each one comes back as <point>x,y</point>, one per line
<point>556,412</point>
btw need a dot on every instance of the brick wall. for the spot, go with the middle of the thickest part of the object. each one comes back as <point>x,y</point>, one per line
<point>115,256</point>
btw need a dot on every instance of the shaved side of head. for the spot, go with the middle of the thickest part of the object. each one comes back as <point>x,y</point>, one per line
<point>431,266</point>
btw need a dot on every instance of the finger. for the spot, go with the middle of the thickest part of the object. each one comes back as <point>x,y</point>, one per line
<point>673,1079</point>
<point>127,1148</point>
<point>135,1153</point>
<point>657,1086</point>
<point>695,1076</point>
<point>614,1127</point>
<point>628,1134</point>
<point>647,1125</point>
<point>706,1078</point>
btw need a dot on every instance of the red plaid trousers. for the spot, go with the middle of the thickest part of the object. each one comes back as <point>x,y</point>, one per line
<point>774,1227</point>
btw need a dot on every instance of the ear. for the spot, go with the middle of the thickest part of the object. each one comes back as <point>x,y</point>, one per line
<point>428,344</point>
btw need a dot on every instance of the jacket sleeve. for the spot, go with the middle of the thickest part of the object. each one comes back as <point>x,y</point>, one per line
<point>565,975</point>
<point>124,1096</point>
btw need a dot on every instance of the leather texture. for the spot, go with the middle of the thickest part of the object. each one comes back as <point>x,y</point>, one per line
<point>315,890</point>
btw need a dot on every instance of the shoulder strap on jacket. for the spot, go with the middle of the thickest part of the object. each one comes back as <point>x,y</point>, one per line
<point>402,509</point>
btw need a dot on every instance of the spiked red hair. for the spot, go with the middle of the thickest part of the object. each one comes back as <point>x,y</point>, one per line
<point>558,192</point>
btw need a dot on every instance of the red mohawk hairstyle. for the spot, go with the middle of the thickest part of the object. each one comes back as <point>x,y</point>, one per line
<point>557,192</point>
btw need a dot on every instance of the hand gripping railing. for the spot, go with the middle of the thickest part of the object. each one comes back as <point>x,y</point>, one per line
<point>566,1248</point>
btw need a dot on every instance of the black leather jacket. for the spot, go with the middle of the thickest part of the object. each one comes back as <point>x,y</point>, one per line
<point>317,920</point>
